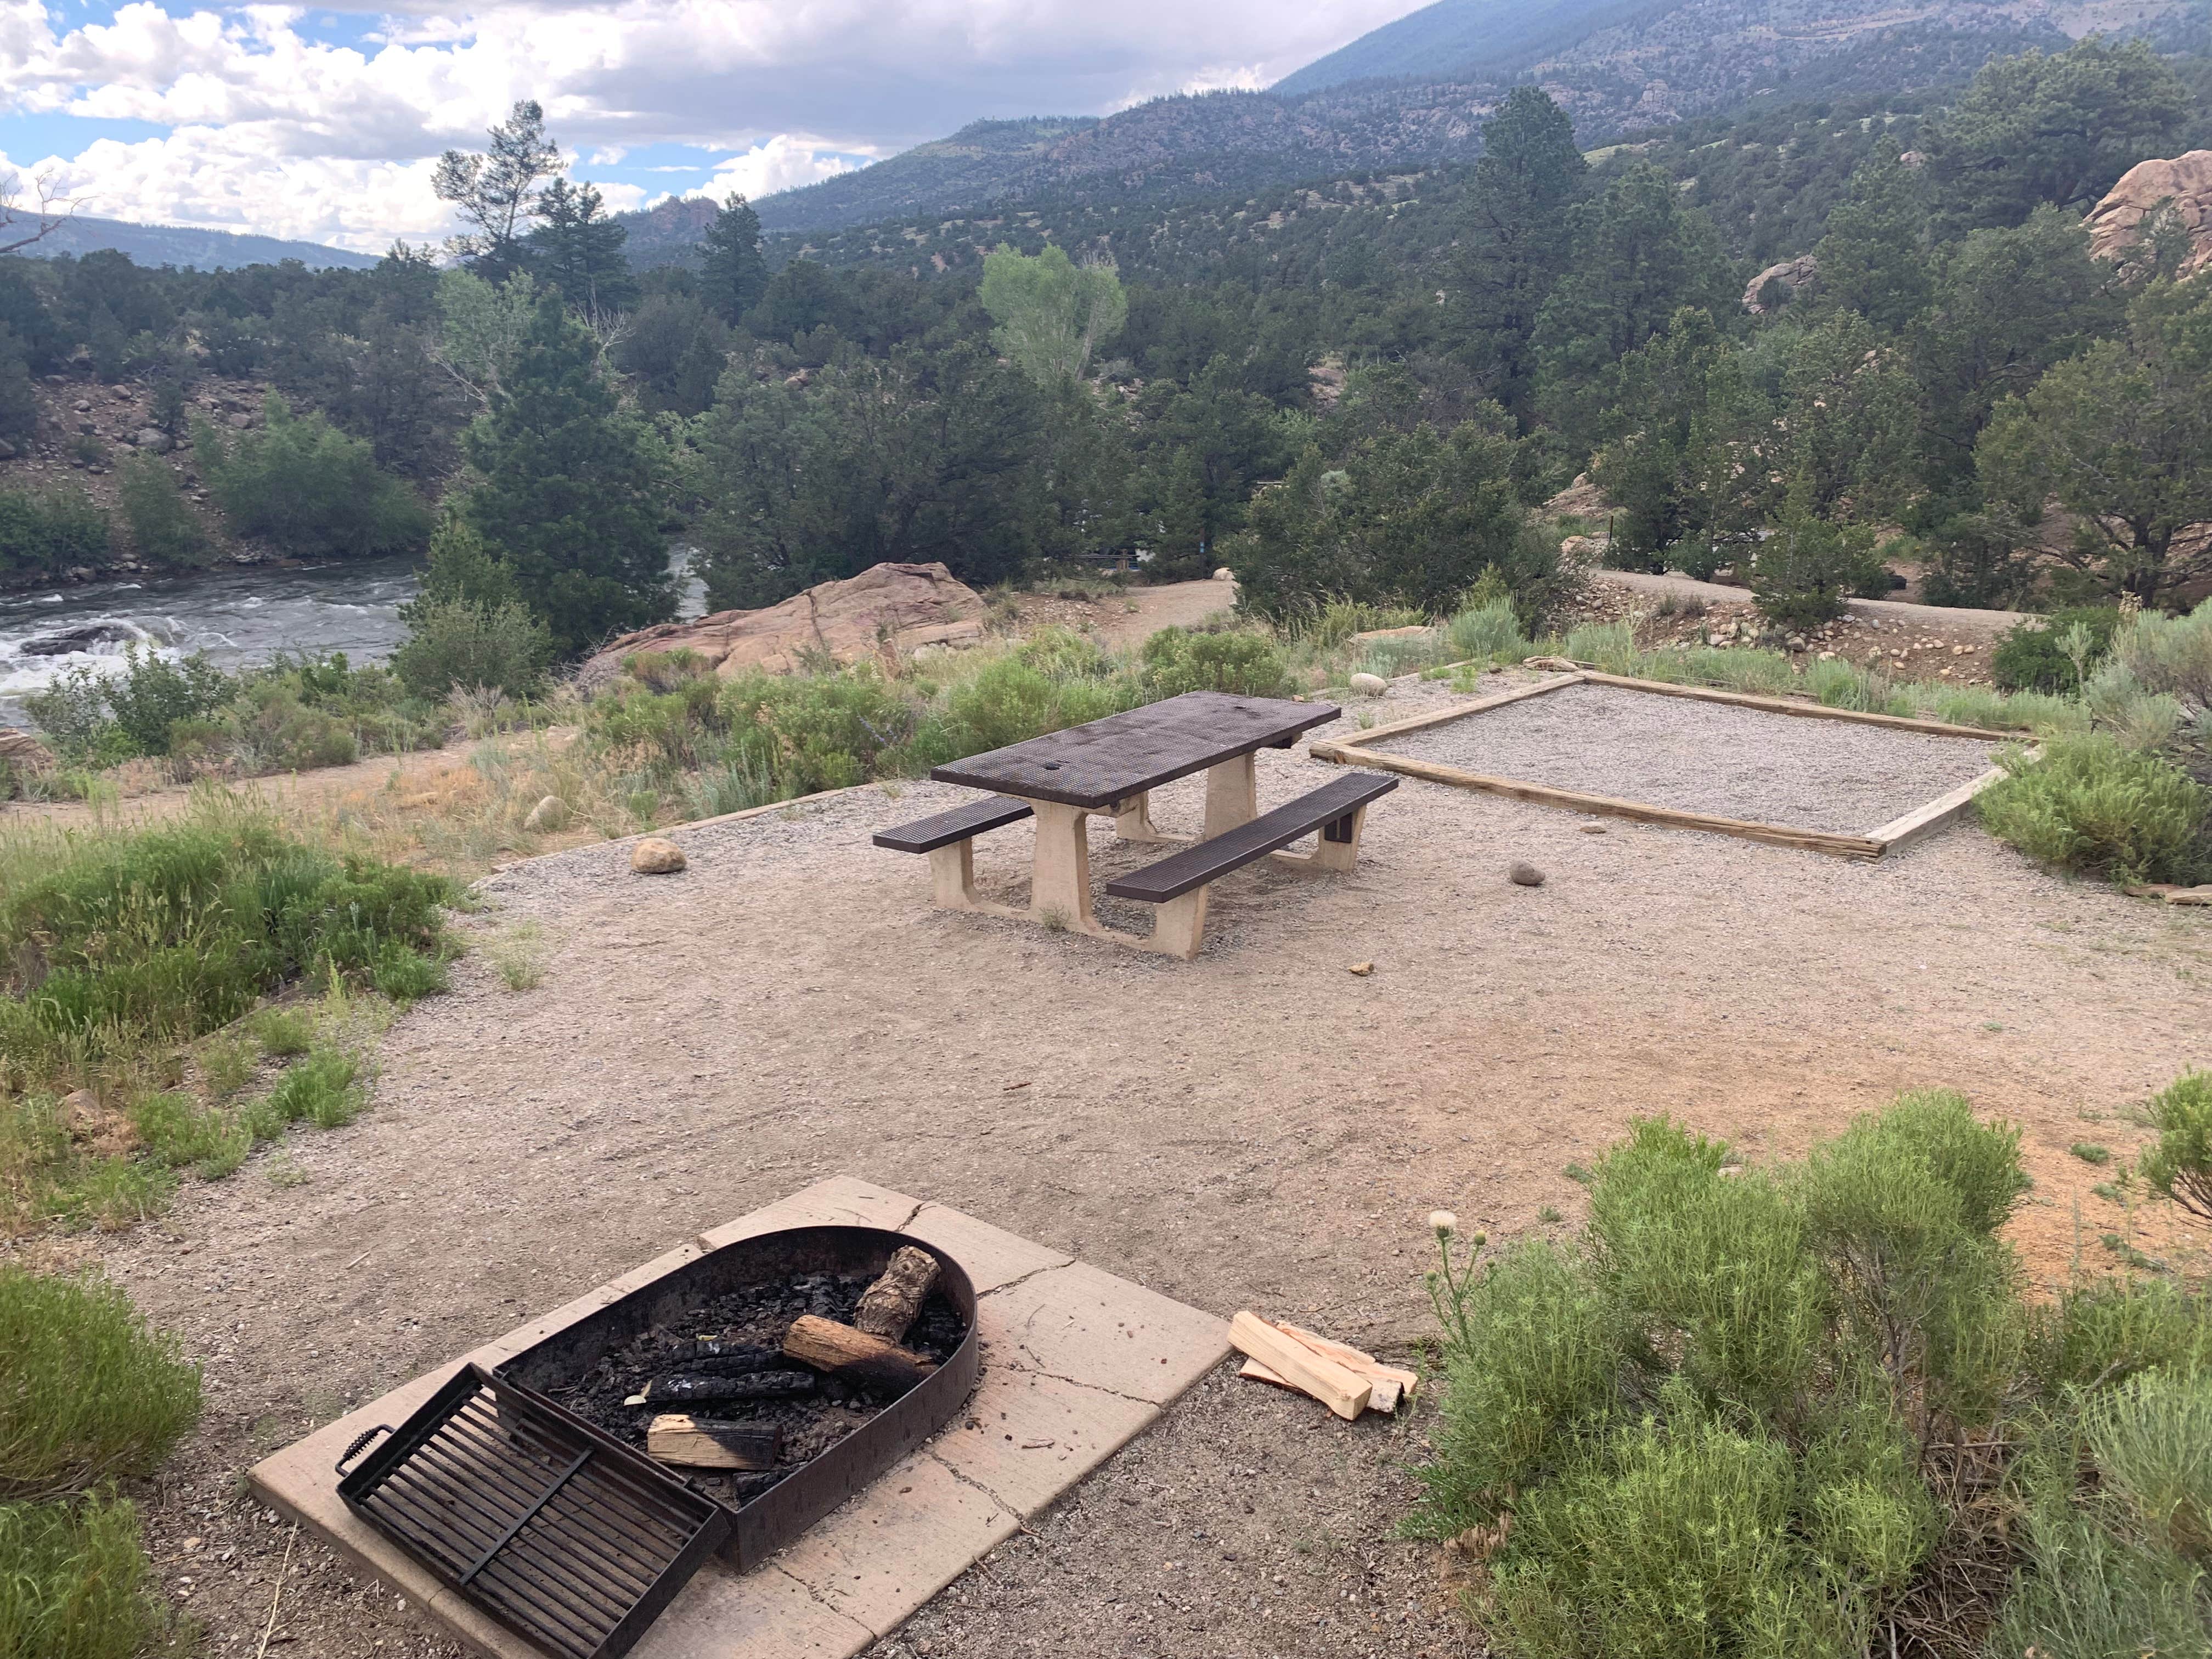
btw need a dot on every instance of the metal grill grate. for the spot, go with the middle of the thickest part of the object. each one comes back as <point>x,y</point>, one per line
<point>563,1533</point>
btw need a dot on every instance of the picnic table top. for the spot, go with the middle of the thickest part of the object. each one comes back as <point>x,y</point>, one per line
<point>1126,754</point>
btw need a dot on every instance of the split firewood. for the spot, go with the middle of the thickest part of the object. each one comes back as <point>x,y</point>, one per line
<point>853,1356</point>
<point>1343,1391</point>
<point>1385,1396</point>
<point>1389,1383</point>
<point>702,1442</point>
<point>685,1389</point>
<point>889,1305</point>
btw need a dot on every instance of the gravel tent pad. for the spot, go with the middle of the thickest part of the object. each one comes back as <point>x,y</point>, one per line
<point>1695,757</point>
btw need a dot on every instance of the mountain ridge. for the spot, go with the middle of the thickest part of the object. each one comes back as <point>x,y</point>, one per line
<point>186,245</point>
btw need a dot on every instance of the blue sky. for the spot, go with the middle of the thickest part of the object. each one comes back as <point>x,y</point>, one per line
<point>325,124</point>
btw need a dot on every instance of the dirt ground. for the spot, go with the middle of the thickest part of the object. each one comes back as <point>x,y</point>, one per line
<point>1130,618</point>
<point>1255,1128</point>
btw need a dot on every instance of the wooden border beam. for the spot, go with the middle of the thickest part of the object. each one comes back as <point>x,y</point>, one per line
<point>1922,820</point>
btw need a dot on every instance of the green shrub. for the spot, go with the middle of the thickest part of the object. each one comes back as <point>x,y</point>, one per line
<point>2091,804</point>
<point>308,488</point>
<point>2104,1330</point>
<point>406,975</point>
<point>2033,654</point>
<point>467,642</point>
<point>2151,1440</point>
<point>2179,1162</point>
<point>283,1032</point>
<point>74,1586</point>
<point>88,1393</point>
<point>162,527</point>
<point>111,717</point>
<point>1610,646</point>
<point>1804,572</point>
<point>2169,656</point>
<point>1176,660</point>
<point>42,532</point>
<point>2087,1594</point>
<point>1490,630</point>
<point>178,1130</point>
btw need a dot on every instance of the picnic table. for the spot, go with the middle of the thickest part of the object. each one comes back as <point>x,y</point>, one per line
<point>1108,768</point>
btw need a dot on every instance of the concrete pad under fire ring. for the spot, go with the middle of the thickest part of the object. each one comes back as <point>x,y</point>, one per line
<point>1076,1364</point>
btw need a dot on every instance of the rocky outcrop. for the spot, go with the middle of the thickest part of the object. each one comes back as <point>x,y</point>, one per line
<point>20,750</point>
<point>2186,182</point>
<point>1792,274</point>
<point>887,610</point>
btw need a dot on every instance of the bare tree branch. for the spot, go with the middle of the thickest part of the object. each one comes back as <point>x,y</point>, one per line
<point>53,212</point>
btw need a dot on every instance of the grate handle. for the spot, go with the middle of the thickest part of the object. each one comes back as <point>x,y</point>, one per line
<point>360,1441</point>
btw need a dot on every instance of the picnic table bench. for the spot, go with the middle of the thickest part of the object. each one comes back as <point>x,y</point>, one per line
<point>1108,768</point>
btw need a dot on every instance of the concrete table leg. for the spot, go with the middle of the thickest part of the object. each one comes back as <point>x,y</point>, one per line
<point>1059,879</point>
<point>1232,794</point>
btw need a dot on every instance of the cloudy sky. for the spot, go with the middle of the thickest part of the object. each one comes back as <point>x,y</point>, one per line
<point>323,125</point>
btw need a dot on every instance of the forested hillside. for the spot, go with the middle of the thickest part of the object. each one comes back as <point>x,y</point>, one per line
<point>1415,95</point>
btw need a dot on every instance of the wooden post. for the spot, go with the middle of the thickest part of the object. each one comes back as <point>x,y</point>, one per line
<point>1232,793</point>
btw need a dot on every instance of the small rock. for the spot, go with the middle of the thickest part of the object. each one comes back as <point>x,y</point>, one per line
<point>552,813</point>
<point>1362,969</point>
<point>153,438</point>
<point>1524,875</point>
<point>6,450</point>
<point>82,405</point>
<point>1225,575</point>
<point>656,856</point>
<point>1593,829</point>
<point>1369,685</point>
<point>238,422</point>
<point>21,749</point>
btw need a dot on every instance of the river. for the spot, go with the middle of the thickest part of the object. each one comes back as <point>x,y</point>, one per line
<point>241,616</point>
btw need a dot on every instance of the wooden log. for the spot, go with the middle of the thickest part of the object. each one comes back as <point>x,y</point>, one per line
<point>889,1305</point>
<point>686,1388</point>
<point>1923,820</point>
<point>1455,711</point>
<point>1776,834</point>
<point>714,1358</point>
<point>702,1442</point>
<point>1807,710</point>
<point>854,1356</point>
<point>1344,1392</point>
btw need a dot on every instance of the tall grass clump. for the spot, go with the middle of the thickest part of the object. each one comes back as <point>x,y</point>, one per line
<point>74,1582</point>
<point>2092,804</point>
<point>1490,631</point>
<point>115,941</point>
<point>1807,1411</point>
<point>88,1393</point>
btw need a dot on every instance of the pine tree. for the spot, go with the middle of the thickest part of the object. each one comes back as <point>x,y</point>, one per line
<point>734,275</point>
<point>573,489</point>
<point>497,192</point>
<point>1515,238</point>
<point>579,249</point>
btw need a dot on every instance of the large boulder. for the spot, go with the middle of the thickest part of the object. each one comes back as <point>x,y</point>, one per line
<point>23,751</point>
<point>1792,274</point>
<point>886,611</point>
<point>2185,181</point>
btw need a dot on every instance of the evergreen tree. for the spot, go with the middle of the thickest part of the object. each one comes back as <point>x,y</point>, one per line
<point>1638,256</point>
<point>579,249</point>
<point>733,275</point>
<point>1514,241</point>
<point>2060,129</point>
<point>2121,436</point>
<point>573,489</point>
<point>496,192</point>
<point>1875,258</point>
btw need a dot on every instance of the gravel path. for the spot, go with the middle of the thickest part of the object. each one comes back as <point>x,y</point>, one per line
<point>1705,757</point>
<point>1254,1128</point>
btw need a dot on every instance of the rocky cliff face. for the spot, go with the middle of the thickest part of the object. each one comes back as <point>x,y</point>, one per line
<point>2183,185</point>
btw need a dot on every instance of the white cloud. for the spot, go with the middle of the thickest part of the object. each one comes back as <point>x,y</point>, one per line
<point>270,128</point>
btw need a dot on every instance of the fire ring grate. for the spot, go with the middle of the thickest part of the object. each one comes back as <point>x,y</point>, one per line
<point>559,1531</point>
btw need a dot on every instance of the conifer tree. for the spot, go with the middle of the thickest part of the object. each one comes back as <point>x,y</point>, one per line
<point>573,489</point>
<point>733,275</point>
<point>1514,240</point>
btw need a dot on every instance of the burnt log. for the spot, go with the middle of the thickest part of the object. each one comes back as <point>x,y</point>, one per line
<point>686,1389</point>
<point>889,1305</point>
<point>854,1356</point>
<point>703,1442</point>
<point>714,1358</point>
